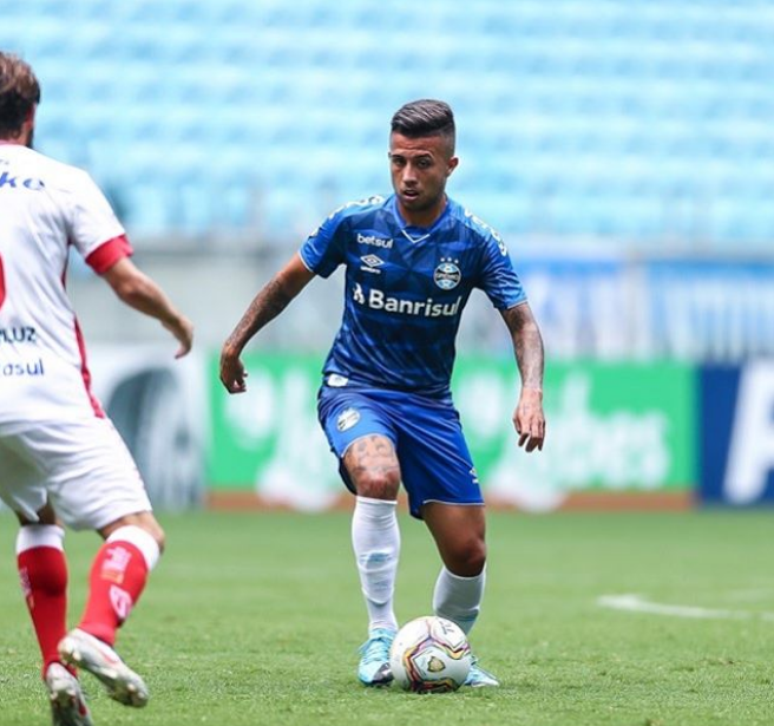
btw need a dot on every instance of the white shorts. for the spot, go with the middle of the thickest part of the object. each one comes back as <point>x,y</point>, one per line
<point>81,467</point>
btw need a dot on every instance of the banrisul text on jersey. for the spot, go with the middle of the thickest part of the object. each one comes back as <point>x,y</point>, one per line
<point>405,290</point>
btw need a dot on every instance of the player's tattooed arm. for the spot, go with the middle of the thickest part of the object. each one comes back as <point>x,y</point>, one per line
<point>273,298</point>
<point>528,418</point>
<point>527,344</point>
<point>267,305</point>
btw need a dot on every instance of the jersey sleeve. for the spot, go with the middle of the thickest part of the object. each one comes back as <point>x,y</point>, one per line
<point>498,278</point>
<point>94,228</point>
<point>324,249</point>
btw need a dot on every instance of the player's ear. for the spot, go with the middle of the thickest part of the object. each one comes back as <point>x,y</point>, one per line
<point>451,165</point>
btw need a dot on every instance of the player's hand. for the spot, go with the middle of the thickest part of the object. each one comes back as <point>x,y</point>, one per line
<point>182,328</point>
<point>529,420</point>
<point>232,371</point>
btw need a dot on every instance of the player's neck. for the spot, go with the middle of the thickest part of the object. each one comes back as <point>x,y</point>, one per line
<point>18,141</point>
<point>424,218</point>
<point>22,137</point>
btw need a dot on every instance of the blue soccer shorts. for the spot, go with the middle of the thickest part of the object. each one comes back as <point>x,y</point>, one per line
<point>435,463</point>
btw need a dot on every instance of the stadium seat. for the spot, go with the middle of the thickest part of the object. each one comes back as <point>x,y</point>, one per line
<point>562,128</point>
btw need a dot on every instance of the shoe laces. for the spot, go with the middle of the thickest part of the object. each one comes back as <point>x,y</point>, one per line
<point>377,647</point>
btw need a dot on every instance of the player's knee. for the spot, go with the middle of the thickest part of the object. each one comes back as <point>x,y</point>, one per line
<point>144,521</point>
<point>378,484</point>
<point>153,528</point>
<point>150,526</point>
<point>469,558</point>
<point>159,535</point>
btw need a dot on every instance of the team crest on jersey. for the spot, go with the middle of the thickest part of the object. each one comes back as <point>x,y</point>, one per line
<point>347,419</point>
<point>447,275</point>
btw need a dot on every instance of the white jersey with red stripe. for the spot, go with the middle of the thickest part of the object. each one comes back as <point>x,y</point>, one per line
<point>46,206</point>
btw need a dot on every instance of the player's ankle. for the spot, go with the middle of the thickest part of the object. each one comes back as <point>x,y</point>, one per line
<point>101,632</point>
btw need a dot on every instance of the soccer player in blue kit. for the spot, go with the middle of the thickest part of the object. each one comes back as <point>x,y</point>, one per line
<point>411,262</point>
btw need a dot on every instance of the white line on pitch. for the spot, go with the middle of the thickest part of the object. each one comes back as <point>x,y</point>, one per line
<point>761,593</point>
<point>637,604</point>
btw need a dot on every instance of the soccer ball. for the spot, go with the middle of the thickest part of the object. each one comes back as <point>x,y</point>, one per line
<point>430,655</point>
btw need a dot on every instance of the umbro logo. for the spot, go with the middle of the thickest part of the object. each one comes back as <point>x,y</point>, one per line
<point>371,263</point>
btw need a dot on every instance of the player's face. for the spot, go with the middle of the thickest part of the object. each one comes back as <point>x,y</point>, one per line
<point>420,168</point>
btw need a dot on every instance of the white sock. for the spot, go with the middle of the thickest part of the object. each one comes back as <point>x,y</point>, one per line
<point>39,535</point>
<point>376,541</point>
<point>141,539</point>
<point>459,598</point>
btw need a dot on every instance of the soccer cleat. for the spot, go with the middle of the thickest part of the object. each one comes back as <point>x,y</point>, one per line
<point>99,659</point>
<point>68,706</point>
<point>374,668</point>
<point>479,678</point>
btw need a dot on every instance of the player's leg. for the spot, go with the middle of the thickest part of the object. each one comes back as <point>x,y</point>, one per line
<point>372,466</point>
<point>459,533</point>
<point>93,483</point>
<point>360,434</point>
<point>42,568</point>
<point>119,573</point>
<point>43,575</point>
<point>443,489</point>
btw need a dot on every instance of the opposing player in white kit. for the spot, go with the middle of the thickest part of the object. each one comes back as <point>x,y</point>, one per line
<point>60,457</point>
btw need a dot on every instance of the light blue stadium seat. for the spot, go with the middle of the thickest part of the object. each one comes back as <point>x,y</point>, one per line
<point>193,111</point>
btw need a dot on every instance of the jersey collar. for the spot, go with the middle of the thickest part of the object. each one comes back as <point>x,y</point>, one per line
<point>415,234</point>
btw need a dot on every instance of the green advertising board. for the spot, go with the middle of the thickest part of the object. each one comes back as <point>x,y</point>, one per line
<point>621,427</point>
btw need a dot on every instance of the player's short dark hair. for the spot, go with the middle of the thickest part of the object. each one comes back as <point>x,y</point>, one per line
<point>425,117</point>
<point>19,92</point>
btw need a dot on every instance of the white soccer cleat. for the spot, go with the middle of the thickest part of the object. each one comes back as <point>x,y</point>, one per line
<point>68,706</point>
<point>374,668</point>
<point>480,678</point>
<point>99,659</point>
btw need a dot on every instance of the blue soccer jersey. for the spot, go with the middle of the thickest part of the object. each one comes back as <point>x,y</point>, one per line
<point>405,290</point>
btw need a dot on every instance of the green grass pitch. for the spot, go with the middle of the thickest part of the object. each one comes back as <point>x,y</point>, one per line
<point>255,619</point>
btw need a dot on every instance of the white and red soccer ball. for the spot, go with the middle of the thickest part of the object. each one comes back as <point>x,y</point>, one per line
<point>430,655</point>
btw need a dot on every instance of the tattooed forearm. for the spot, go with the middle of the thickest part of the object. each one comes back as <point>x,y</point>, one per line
<point>527,344</point>
<point>266,306</point>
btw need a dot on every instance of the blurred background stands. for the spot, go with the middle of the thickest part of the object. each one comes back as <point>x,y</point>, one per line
<point>647,123</point>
